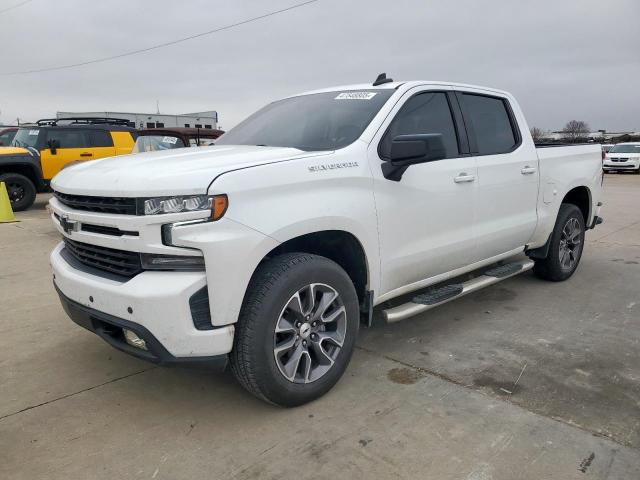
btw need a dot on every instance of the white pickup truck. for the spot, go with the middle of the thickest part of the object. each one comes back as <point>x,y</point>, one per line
<point>269,249</point>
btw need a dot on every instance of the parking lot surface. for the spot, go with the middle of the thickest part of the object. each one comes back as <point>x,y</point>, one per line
<point>524,380</point>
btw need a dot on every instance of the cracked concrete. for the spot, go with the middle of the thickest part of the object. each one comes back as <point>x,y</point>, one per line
<point>424,398</point>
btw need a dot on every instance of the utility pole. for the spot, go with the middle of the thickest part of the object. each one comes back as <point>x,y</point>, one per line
<point>158,106</point>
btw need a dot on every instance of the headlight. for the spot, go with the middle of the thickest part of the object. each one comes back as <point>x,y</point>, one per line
<point>193,203</point>
<point>152,261</point>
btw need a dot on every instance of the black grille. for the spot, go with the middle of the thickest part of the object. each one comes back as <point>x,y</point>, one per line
<point>111,260</point>
<point>118,205</point>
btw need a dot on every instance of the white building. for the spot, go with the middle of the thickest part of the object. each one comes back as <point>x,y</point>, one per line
<point>154,120</point>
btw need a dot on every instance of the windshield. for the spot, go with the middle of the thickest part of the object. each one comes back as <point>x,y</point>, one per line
<point>152,143</point>
<point>626,149</point>
<point>321,121</point>
<point>26,137</point>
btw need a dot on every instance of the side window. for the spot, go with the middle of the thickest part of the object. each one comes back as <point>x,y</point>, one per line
<point>491,123</point>
<point>6,138</point>
<point>100,138</point>
<point>68,138</point>
<point>427,112</point>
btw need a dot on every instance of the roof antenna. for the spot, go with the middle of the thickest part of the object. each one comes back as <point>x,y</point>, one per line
<point>382,79</point>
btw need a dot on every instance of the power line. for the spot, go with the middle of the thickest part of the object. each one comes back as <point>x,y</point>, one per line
<point>15,6</point>
<point>161,45</point>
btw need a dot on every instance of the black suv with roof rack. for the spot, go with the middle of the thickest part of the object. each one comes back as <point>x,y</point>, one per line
<point>38,152</point>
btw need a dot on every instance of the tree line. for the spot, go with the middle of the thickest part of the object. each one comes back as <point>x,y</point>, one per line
<point>577,131</point>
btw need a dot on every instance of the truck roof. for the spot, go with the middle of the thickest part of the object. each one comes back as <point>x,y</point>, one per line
<point>396,85</point>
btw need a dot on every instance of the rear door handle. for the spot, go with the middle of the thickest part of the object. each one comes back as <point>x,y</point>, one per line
<point>464,178</point>
<point>86,154</point>
<point>528,170</point>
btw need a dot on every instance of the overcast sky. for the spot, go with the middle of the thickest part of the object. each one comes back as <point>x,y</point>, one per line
<point>563,59</point>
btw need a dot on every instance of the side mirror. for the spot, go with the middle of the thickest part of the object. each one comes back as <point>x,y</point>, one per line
<point>53,146</point>
<point>408,150</point>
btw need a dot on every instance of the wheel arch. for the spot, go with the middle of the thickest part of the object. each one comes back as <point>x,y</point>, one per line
<point>580,197</point>
<point>24,168</point>
<point>338,245</point>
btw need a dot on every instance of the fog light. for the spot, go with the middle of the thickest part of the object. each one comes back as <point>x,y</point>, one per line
<point>133,339</point>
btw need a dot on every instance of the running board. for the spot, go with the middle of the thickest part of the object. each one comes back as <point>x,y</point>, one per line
<point>438,296</point>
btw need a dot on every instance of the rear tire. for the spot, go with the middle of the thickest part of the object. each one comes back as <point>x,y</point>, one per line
<point>296,330</point>
<point>21,190</point>
<point>565,249</point>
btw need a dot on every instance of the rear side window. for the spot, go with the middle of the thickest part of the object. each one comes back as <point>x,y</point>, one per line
<point>100,138</point>
<point>7,137</point>
<point>425,113</point>
<point>491,122</point>
<point>68,138</point>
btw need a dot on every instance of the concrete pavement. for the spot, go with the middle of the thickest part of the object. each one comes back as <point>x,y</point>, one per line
<point>430,397</point>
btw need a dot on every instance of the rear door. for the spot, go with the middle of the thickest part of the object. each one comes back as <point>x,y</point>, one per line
<point>101,144</point>
<point>426,218</point>
<point>507,175</point>
<point>73,145</point>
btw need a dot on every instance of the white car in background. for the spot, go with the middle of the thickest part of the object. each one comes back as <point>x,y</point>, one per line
<point>624,156</point>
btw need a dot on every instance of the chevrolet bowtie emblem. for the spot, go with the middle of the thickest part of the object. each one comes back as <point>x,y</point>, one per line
<point>67,225</point>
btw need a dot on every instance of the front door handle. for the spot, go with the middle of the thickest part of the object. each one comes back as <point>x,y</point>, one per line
<point>464,178</point>
<point>86,154</point>
<point>528,170</point>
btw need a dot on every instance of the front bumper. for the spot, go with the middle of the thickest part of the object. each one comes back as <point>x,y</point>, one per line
<point>628,165</point>
<point>109,328</point>
<point>156,303</point>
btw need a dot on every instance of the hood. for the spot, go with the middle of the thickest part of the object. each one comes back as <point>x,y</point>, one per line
<point>183,171</point>
<point>13,151</point>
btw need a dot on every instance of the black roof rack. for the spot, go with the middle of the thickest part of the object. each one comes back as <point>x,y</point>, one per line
<point>85,121</point>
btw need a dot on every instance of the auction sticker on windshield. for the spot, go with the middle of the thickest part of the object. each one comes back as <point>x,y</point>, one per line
<point>171,140</point>
<point>33,132</point>
<point>356,96</point>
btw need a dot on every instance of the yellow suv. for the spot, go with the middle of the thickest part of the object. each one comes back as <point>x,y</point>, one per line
<point>37,153</point>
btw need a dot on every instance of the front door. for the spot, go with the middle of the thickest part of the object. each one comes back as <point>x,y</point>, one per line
<point>72,145</point>
<point>426,219</point>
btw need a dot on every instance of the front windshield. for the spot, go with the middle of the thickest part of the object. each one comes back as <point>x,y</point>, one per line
<point>26,137</point>
<point>321,121</point>
<point>153,143</point>
<point>626,149</point>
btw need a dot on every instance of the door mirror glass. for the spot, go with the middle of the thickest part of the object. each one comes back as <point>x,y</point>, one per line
<point>417,148</point>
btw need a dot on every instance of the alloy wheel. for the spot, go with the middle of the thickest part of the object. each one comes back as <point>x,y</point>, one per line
<point>309,333</point>
<point>570,244</point>
<point>15,191</point>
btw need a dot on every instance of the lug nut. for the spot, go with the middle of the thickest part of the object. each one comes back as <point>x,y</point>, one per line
<point>314,336</point>
<point>304,343</point>
<point>298,324</point>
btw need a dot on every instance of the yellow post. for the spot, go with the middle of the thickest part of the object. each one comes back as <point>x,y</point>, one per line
<point>6,213</point>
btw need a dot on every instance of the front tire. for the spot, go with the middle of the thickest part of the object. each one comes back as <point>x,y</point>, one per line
<point>21,190</point>
<point>297,329</point>
<point>565,249</point>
